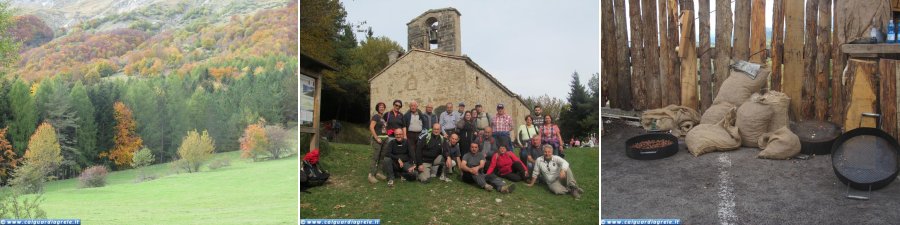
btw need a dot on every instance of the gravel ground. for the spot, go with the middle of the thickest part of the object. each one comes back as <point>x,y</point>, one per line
<point>733,188</point>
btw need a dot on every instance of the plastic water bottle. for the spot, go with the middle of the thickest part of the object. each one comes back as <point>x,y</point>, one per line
<point>897,26</point>
<point>891,33</point>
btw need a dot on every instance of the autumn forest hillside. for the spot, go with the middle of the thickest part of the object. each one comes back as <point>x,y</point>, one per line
<point>145,73</point>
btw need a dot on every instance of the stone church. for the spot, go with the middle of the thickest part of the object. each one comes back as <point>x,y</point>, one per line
<point>434,71</point>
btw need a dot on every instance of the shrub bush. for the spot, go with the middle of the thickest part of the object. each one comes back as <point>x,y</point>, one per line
<point>14,206</point>
<point>94,176</point>
<point>219,163</point>
<point>28,179</point>
<point>195,149</point>
<point>278,146</point>
<point>254,141</point>
<point>142,158</point>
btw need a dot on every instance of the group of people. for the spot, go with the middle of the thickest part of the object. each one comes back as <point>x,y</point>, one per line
<point>418,145</point>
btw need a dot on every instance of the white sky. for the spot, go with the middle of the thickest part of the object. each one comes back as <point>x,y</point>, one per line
<point>531,46</point>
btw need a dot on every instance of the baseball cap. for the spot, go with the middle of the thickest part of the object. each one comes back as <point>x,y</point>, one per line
<point>500,106</point>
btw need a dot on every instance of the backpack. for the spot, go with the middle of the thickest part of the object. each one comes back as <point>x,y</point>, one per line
<point>425,135</point>
<point>312,175</point>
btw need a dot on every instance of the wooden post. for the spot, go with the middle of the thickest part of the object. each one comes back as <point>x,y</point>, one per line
<point>741,30</point>
<point>609,53</point>
<point>823,57</point>
<point>705,59</point>
<point>622,60</point>
<point>651,51</point>
<point>688,54</point>
<point>777,44</point>
<point>723,42</point>
<point>665,48</point>
<point>672,82</point>
<point>889,70</point>
<point>792,78</point>
<point>758,32</point>
<point>838,60</point>
<point>808,107</point>
<point>861,92</point>
<point>639,82</point>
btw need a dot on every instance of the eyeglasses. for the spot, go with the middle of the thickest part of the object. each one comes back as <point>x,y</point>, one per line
<point>398,106</point>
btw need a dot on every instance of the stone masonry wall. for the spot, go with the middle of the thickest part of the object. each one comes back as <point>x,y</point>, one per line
<point>429,78</point>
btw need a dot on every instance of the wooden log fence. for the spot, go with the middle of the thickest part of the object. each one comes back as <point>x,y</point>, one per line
<point>653,58</point>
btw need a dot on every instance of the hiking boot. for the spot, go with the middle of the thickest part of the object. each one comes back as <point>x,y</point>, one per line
<point>576,192</point>
<point>372,179</point>
<point>391,183</point>
<point>380,176</point>
<point>488,187</point>
<point>508,188</point>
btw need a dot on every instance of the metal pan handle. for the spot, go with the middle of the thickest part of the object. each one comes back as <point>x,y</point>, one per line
<point>859,197</point>
<point>877,119</point>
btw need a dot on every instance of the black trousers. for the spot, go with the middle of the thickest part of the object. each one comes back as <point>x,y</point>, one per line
<point>518,173</point>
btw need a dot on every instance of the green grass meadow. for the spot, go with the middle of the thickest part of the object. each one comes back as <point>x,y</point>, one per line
<point>349,195</point>
<point>246,192</point>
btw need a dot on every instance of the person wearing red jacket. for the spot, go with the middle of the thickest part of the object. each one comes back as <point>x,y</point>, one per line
<point>507,165</point>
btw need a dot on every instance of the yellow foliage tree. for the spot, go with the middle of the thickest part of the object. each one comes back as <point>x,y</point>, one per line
<point>43,149</point>
<point>195,149</point>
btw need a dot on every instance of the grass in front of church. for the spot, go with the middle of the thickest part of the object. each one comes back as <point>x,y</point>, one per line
<point>350,195</point>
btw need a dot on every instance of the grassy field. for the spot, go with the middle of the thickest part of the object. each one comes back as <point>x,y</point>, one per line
<point>349,195</point>
<point>243,193</point>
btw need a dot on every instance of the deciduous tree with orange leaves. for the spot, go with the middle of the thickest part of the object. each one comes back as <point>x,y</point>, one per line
<point>254,141</point>
<point>8,158</point>
<point>127,141</point>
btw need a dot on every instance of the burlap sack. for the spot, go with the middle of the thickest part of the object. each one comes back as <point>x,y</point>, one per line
<point>779,103</point>
<point>781,144</point>
<point>738,87</point>
<point>722,136</point>
<point>678,119</point>
<point>715,113</point>
<point>753,118</point>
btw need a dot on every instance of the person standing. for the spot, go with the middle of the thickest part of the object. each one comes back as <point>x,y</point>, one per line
<point>555,171</point>
<point>466,130</point>
<point>482,119</point>
<point>394,118</point>
<point>448,120</point>
<point>460,112</point>
<point>502,125</point>
<point>538,116</point>
<point>550,135</point>
<point>526,132</point>
<point>429,116</point>
<point>415,123</point>
<point>378,131</point>
<point>471,167</point>
<point>398,159</point>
